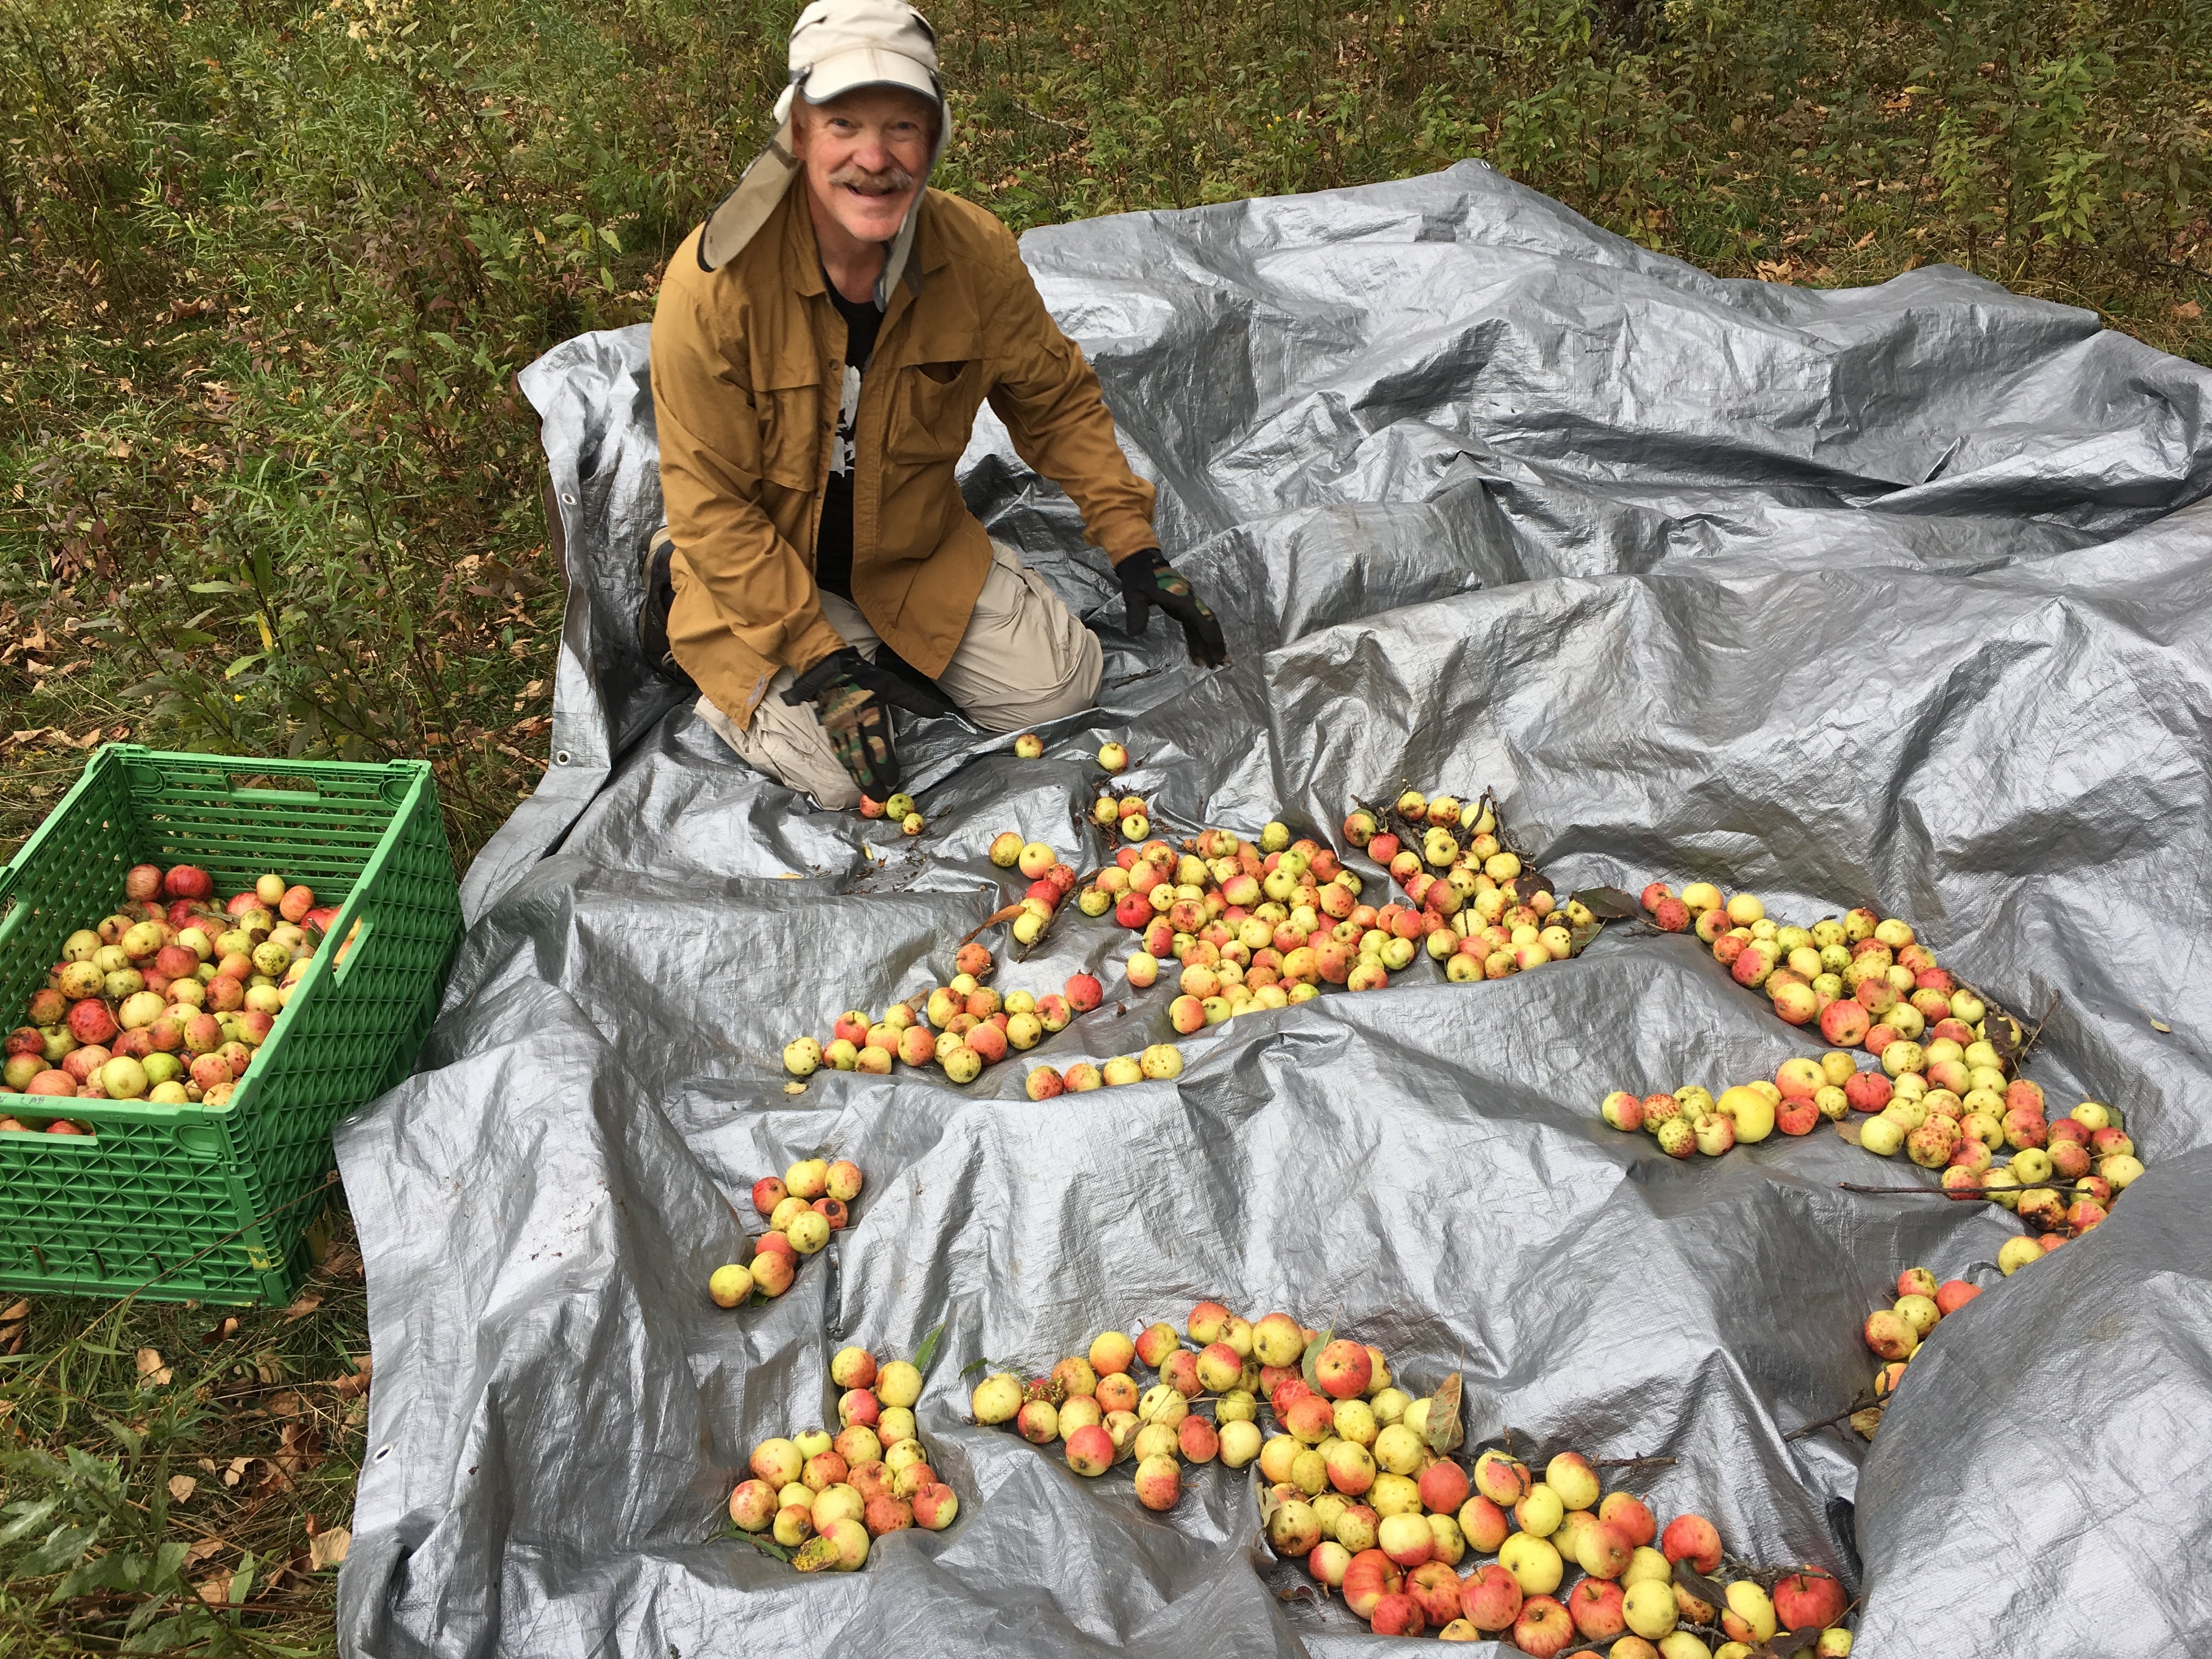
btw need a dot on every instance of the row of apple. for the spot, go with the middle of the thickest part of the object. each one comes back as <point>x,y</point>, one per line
<point>1360,1486</point>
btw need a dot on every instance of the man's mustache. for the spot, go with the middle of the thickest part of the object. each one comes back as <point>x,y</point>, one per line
<point>891,181</point>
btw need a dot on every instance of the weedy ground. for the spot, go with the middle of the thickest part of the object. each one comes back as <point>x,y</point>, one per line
<point>267,271</point>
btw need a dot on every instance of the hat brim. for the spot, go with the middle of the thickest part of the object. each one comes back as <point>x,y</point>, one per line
<point>866,66</point>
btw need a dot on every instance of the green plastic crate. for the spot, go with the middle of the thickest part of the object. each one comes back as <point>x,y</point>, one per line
<point>217,1200</point>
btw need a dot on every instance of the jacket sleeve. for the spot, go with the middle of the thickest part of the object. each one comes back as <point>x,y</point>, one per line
<point>710,480</point>
<point>1047,394</point>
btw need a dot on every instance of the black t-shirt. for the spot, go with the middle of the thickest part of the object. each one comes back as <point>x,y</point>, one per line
<point>833,543</point>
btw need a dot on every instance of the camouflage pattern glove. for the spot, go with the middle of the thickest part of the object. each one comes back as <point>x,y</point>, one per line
<point>854,717</point>
<point>1148,580</point>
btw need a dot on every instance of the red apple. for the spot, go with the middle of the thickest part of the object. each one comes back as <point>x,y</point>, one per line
<point>1596,1607</point>
<point>1808,1600</point>
<point>1693,1538</point>
<point>1490,1598</point>
<point>1544,1627</point>
<point>1343,1369</point>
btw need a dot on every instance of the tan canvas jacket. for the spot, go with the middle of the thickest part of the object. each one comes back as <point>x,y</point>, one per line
<point>747,364</point>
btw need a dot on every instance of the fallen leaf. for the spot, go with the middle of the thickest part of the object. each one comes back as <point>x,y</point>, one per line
<point>216,1590</point>
<point>1864,1421</point>
<point>222,1332</point>
<point>308,1303</point>
<point>348,1387</point>
<point>287,1404</point>
<point>21,1310</point>
<point>200,1550</point>
<point>181,1488</point>
<point>2189,310</point>
<point>152,1373</point>
<point>236,1472</point>
<point>328,1547</point>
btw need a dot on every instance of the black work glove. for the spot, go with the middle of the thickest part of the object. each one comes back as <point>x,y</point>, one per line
<point>1148,580</point>
<point>853,699</point>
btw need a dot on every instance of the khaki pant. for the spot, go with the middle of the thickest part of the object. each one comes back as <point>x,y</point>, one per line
<point>1026,658</point>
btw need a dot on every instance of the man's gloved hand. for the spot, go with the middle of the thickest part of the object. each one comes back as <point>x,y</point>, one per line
<point>1148,580</point>
<point>852,697</point>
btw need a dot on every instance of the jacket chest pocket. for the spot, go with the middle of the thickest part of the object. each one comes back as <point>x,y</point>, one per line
<point>790,432</point>
<point>933,410</point>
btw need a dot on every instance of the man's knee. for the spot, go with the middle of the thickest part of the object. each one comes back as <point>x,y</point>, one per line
<point>786,741</point>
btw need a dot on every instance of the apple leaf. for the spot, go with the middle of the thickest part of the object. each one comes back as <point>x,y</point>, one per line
<point>1864,1421</point>
<point>1699,1586</point>
<point>1582,934</point>
<point>1444,1432</point>
<point>1787,1644</point>
<point>1608,903</point>
<point>1269,1503</point>
<point>765,1545</point>
<point>927,1351</point>
<point>1849,1131</point>
<point>1313,1356</point>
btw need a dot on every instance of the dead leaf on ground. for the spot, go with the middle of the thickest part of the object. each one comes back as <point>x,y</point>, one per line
<point>303,1449</point>
<point>201,1549</point>
<point>307,1303</point>
<point>348,1387</point>
<point>152,1372</point>
<point>236,1472</point>
<point>2189,310</point>
<point>342,1263</point>
<point>328,1547</point>
<point>181,1488</point>
<point>216,1589</point>
<point>286,1404</point>
<point>222,1332</point>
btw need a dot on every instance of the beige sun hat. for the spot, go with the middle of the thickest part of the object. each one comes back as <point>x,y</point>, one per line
<point>837,47</point>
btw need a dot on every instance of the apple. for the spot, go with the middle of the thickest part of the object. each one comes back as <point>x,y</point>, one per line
<point>1693,1538</point>
<point>1491,1598</point>
<point>1535,1565</point>
<point>1596,1607</point>
<point>1808,1599</point>
<point>1544,1628</point>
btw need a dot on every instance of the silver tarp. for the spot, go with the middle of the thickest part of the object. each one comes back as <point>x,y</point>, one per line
<point>1891,596</point>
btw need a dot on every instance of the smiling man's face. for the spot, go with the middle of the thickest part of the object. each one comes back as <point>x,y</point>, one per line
<point>865,155</point>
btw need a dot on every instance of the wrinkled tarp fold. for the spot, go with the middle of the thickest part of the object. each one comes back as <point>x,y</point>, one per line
<point>1894,595</point>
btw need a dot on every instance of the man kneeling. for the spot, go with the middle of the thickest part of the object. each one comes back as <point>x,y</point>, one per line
<point>819,357</point>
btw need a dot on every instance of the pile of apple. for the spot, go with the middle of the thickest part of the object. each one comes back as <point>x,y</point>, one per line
<point>1360,1486</point>
<point>1915,1109</point>
<point>166,1000</point>
<point>1468,906</point>
<point>1939,1130</point>
<point>1895,1333</point>
<point>966,1025</point>
<point>1865,980</point>
<point>1804,1094</point>
<point>827,1498</point>
<point>899,809</point>
<point>1050,882</point>
<point>803,1209</point>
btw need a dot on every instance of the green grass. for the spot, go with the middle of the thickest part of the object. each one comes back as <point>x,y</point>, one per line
<point>267,271</point>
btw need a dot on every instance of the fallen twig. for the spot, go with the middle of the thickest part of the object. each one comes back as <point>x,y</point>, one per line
<point>1844,1415</point>
<point>2055,1184</point>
